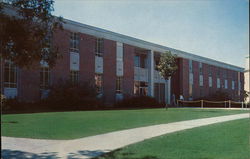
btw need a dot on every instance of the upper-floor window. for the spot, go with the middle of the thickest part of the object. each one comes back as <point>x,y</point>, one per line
<point>74,42</point>
<point>98,83</point>
<point>200,68</point>
<point>99,47</point>
<point>44,77</point>
<point>210,81</point>
<point>201,80</point>
<point>233,85</point>
<point>190,63</point>
<point>218,82</point>
<point>226,85</point>
<point>10,75</point>
<point>74,77</point>
<point>218,73</point>
<point>210,70</point>
<point>140,61</point>
<point>119,84</point>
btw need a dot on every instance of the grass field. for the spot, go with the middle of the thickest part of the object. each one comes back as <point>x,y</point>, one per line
<point>229,140</point>
<point>71,125</point>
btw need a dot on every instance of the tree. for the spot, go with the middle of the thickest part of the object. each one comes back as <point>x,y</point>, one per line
<point>167,65</point>
<point>25,37</point>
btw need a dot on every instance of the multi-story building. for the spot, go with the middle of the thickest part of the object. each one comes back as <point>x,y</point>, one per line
<point>120,66</point>
<point>246,75</point>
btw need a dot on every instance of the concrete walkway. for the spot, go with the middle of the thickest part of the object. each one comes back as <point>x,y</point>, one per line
<point>92,146</point>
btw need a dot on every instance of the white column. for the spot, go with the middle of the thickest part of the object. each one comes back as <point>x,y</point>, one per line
<point>169,91</point>
<point>151,73</point>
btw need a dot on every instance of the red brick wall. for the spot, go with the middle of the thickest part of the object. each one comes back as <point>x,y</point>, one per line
<point>205,90</point>
<point>87,58</point>
<point>109,71</point>
<point>61,71</point>
<point>128,68</point>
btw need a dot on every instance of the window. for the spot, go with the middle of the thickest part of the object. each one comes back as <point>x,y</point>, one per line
<point>143,61</point>
<point>226,84</point>
<point>140,61</point>
<point>233,85</point>
<point>119,85</point>
<point>74,42</point>
<point>157,61</point>
<point>137,61</point>
<point>190,63</point>
<point>218,82</point>
<point>44,77</point>
<point>10,75</point>
<point>74,77</point>
<point>200,68</point>
<point>140,88</point>
<point>210,81</point>
<point>210,71</point>
<point>98,83</point>
<point>201,80</point>
<point>99,47</point>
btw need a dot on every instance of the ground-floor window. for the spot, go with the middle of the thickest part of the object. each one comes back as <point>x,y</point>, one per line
<point>44,77</point>
<point>99,83</point>
<point>140,88</point>
<point>74,77</point>
<point>119,84</point>
<point>159,92</point>
<point>10,75</point>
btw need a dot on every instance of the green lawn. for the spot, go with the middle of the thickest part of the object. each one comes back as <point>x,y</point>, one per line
<point>229,140</point>
<point>71,125</point>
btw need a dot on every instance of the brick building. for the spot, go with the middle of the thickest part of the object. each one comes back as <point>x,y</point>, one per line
<point>120,66</point>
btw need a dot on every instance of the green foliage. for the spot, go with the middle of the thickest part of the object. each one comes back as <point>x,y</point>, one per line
<point>167,65</point>
<point>67,96</point>
<point>26,37</point>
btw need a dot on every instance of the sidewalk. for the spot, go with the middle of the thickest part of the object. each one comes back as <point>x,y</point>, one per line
<point>96,145</point>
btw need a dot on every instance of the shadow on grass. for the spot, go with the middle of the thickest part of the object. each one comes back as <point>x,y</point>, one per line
<point>14,154</point>
<point>126,155</point>
<point>9,122</point>
<point>85,153</point>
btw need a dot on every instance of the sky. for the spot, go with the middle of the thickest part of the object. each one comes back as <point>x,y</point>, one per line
<point>217,29</point>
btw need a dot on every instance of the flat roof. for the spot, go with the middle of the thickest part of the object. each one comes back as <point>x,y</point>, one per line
<point>102,33</point>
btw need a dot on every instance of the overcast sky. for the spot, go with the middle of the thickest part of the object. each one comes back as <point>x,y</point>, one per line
<point>217,29</point>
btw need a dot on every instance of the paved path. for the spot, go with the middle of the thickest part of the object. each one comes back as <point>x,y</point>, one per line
<point>95,145</point>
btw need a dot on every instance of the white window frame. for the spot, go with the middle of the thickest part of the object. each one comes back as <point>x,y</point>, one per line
<point>12,71</point>
<point>44,83</point>
<point>74,76</point>
<point>74,42</point>
<point>119,80</point>
<point>99,47</point>
<point>99,83</point>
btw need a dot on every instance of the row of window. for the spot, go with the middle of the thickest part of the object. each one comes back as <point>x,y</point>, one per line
<point>75,44</point>
<point>210,82</point>
<point>225,73</point>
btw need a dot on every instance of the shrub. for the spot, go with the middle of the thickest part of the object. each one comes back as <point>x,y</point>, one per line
<point>139,101</point>
<point>66,95</point>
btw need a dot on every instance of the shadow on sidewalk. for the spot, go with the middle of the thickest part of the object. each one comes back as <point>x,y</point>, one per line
<point>15,154</point>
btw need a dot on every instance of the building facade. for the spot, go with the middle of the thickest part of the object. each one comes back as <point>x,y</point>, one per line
<point>120,66</point>
<point>246,75</point>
